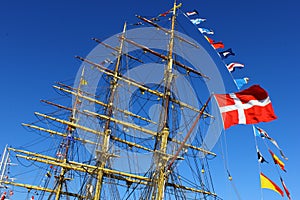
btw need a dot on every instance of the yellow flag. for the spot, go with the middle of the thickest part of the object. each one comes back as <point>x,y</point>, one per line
<point>83,82</point>
<point>265,182</point>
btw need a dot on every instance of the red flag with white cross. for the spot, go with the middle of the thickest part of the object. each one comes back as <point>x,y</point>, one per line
<point>249,106</point>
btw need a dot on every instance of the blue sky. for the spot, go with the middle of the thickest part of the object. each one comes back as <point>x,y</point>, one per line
<point>38,42</point>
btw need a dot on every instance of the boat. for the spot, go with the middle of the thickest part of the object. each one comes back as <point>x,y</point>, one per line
<point>141,124</point>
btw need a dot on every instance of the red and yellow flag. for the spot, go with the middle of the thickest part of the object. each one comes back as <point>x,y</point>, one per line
<point>265,182</point>
<point>277,160</point>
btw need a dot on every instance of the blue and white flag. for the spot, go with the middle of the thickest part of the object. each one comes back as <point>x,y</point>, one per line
<point>263,134</point>
<point>207,31</point>
<point>197,21</point>
<point>226,53</point>
<point>241,82</point>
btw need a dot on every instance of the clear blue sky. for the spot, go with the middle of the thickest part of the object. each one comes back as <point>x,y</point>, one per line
<point>39,39</point>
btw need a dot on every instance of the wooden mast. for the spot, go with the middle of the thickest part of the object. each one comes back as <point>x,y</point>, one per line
<point>164,134</point>
<point>61,180</point>
<point>103,152</point>
<point>137,84</point>
<point>160,179</point>
<point>81,167</point>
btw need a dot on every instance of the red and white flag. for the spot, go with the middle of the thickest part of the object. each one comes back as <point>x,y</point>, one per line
<point>233,65</point>
<point>191,13</point>
<point>249,106</point>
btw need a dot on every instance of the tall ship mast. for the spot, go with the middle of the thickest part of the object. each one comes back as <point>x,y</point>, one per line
<point>141,124</point>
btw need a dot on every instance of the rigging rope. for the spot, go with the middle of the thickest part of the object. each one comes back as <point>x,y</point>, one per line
<point>224,153</point>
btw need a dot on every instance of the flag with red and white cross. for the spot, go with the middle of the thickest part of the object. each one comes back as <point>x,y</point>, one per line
<point>249,106</point>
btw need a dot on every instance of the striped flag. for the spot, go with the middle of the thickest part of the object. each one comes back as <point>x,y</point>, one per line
<point>233,65</point>
<point>191,13</point>
<point>277,161</point>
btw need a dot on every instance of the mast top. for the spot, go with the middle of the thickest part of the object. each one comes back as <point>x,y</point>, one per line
<point>175,7</point>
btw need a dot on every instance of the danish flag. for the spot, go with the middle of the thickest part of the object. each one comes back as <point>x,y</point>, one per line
<point>249,106</point>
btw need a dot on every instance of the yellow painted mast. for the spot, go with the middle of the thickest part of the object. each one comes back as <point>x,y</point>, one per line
<point>61,179</point>
<point>162,178</point>
<point>103,152</point>
<point>137,84</point>
<point>81,167</point>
